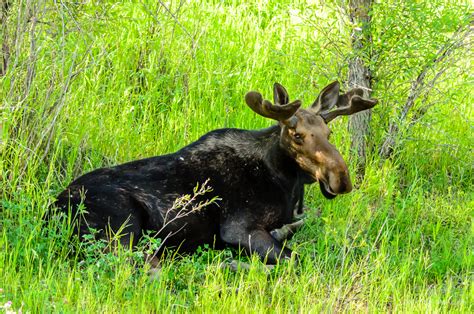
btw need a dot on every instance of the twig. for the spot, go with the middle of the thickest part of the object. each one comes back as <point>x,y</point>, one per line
<point>181,209</point>
<point>419,85</point>
<point>31,66</point>
<point>176,21</point>
<point>5,49</point>
<point>49,130</point>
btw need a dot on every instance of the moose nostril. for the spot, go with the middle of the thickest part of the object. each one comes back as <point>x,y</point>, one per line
<point>342,186</point>
<point>345,184</point>
<point>341,183</point>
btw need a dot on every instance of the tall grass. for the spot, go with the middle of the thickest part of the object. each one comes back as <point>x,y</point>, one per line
<point>98,83</point>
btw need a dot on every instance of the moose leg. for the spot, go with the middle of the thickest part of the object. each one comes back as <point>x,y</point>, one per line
<point>256,241</point>
<point>286,231</point>
<point>299,208</point>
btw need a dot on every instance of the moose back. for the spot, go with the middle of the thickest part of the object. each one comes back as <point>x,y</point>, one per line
<point>258,176</point>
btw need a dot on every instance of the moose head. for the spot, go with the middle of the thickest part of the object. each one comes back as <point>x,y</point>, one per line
<point>305,132</point>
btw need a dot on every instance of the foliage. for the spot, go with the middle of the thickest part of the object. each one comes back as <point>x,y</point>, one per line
<point>91,84</point>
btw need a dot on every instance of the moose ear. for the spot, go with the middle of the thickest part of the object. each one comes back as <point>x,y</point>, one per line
<point>280,95</point>
<point>327,99</point>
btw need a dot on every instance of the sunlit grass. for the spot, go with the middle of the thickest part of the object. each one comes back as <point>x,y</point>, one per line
<point>111,83</point>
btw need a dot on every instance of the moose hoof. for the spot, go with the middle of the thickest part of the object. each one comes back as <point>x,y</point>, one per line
<point>286,231</point>
<point>235,266</point>
<point>154,273</point>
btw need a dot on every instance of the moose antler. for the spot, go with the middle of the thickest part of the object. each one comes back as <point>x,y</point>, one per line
<point>265,108</point>
<point>280,95</point>
<point>348,104</point>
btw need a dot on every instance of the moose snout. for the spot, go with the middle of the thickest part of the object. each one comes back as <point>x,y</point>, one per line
<point>333,172</point>
<point>337,175</point>
<point>340,181</point>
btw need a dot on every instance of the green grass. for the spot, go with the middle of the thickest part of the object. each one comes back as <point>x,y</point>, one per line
<point>97,84</point>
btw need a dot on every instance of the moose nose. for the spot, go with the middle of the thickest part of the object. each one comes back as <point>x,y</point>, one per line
<point>345,184</point>
<point>340,182</point>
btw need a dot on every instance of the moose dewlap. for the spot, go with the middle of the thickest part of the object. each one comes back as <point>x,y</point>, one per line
<point>258,176</point>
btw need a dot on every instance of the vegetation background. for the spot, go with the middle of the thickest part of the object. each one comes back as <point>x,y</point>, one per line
<point>86,84</point>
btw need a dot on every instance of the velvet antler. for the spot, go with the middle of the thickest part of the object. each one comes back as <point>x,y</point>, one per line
<point>263,107</point>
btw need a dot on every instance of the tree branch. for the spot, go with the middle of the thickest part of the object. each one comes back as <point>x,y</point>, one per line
<point>420,85</point>
<point>5,49</point>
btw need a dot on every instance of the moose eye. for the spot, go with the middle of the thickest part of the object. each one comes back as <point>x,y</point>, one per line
<point>298,137</point>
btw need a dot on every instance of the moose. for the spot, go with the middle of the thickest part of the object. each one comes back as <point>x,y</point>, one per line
<point>257,175</point>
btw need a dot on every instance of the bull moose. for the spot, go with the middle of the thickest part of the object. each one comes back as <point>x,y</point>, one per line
<point>258,176</point>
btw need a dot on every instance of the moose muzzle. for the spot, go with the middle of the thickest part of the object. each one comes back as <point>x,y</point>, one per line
<point>334,176</point>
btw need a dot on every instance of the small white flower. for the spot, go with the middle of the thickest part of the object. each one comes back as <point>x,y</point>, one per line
<point>7,305</point>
